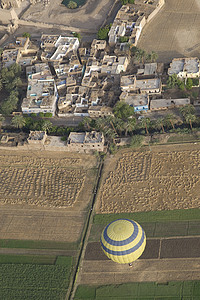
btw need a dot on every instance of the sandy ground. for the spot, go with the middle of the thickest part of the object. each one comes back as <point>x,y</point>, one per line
<point>174,32</point>
<point>89,17</point>
<point>159,270</point>
<point>157,178</point>
<point>44,195</point>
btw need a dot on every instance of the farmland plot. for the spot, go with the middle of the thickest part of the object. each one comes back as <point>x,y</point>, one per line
<point>151,180</point>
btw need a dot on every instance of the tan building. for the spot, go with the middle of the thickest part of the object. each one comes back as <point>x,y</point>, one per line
<point>37,138</point>
<point>140,102</point>
<point>86,141</point>
<point>185,67</point>
<point>97,111</point>
<point>162,104</point>
<point>41,93</point>
<point>131,19</point>
<point>10,56</point>
<point>143,86</point>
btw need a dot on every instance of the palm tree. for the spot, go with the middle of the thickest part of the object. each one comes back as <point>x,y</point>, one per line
<point>154,56</point>
<point>86,123</point>
<point>100,124</point>
<point>140,55</point>
<point>110,120</point>
<point>129,125</point>
<point>119,125</point>
<point>159,124</point>
<point>1,121</point>
<point>110,134</point>
<point>47,125</point>
<point>170,118</point>
<point>187,109</point>
<point>145,122</point>
<point>190,118</point>
<point>18,121</point>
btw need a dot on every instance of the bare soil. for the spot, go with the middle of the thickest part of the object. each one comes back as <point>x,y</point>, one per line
<point>174,32</point>
<point>154,178</point>
<point>155,248</point>
<point>44,195</point>
<point>88,17</point>
<point>163,260</point>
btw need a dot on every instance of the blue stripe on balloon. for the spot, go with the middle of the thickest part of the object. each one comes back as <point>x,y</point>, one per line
<point>123,242</point>
<point>125,252</point>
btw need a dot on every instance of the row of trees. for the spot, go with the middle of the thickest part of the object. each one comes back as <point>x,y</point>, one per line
<point>124,122</point>
<point>28,123</point>
<point>173,81</point>
<point>9,85</point>
<point>142,56</point>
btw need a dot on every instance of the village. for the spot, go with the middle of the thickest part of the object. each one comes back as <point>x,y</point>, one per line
<point>64,79</point>
<point>99,125</point>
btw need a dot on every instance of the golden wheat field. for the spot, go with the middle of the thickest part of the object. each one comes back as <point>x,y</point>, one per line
<point>160,178</point>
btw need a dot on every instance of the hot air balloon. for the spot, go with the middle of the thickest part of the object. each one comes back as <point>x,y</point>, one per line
<point>123,241</point>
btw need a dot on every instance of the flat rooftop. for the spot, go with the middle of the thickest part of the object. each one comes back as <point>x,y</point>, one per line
<point>146,84</point>
<point>165,103</point>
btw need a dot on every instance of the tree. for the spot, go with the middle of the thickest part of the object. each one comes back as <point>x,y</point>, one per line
<point>190,119</point>
<point>11,85</point>
<point>110,123</point>
<point>123,39</point>
<point>189,84</point>
<point>119,125</point>
<point>133,50</point>
<point>18,121</point>
<point>129,125</point>
<point>77,35</point>
<point>72,5</point>
<point>136,141</point>
<point>111,135</point>
<point>87,123</point>
<point>170,119</point>
<point>100,124</point>
<point>10,104</point>
<point>46,126</point>
<point>172,81</point>
<point>1,121</point>
<point>187,109</point>
<point>154,56</point>
<point>123,111</point>
<point>181,85</point>
<point>159,124</point>
<point>26,34</point>
<point>144,123</point>
<point>102,33</point>
<point>124,2</point>
<point>140,55</point>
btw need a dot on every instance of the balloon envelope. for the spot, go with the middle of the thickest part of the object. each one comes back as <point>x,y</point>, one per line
<point>123,241</point>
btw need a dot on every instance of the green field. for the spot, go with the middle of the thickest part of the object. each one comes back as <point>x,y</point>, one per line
<point>79,2</point>
<point>188,290</point>
<point>34,277</point>
<point>28,244</point>
<point>156,229</point>
<point>28,259</point>
<point>181,138</point>
<point>155,223</point>
<point>151,216</point>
